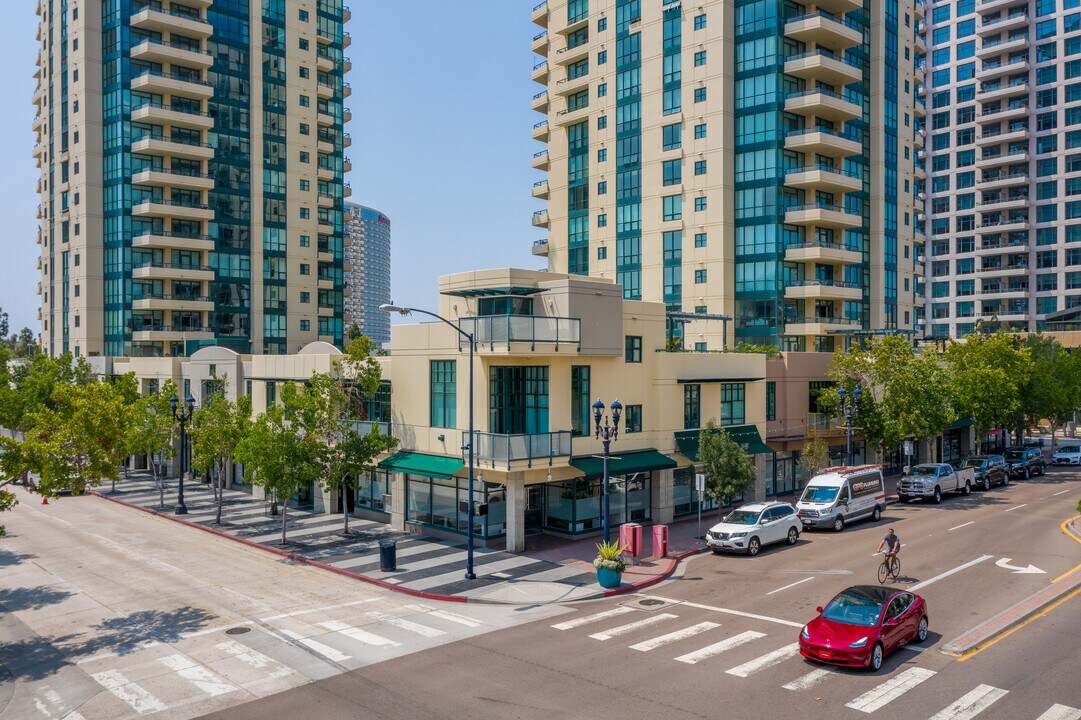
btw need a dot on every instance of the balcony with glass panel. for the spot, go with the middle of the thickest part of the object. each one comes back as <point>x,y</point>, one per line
<point>189,303</point>
<point>167,146</point>
<point>161,114</point>
<point>540,72</point>
<point>1010,21</point>
<point>167,240</point>
<point>163,83</point>
<point>1005,111</point>
<point>1010,223</point>
<point>172,271</point>
<point>822,141</point>
<point>822,177</point>
<point>523,333</point>
<point>822,290</point>
<point>991,158</point>
<point>822,253</point>
<point>157,19</point>
<point>823,103</point>
<point>995,68</point>
<point>1002,201</point>
<point>1001,90</point>
<point>539,14</point>
<point>822,215</point>
<point>998,47</point>
<point>818,326</point>
<point>540,43</point>
<point>996,180</point>
<point>522,451</point>
<point>824,66</point>
<point>839,7</point>
<point>988,6</point>
<point>823,29</point>
<point>167,177</point>
<point>171,209</point>
<point>997,136</point>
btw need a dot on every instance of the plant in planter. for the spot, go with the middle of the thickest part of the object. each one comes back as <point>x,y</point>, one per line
<point>610,564</point>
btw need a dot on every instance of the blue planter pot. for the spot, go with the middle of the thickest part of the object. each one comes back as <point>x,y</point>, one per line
<point>608,579</point>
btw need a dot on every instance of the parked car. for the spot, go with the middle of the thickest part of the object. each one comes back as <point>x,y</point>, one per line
<point>1033,443</point>
<point>988,470</point>
<point>1067,455</point>
<point>1025,462</point>
<point>748,528</point>
<point>930,480</point>
<point>841,495</point>
<point>864,624</point>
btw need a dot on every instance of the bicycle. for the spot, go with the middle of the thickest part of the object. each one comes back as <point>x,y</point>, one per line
<point>891,566</point>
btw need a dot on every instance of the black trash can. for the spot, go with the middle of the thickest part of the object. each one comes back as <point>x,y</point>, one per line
<point>388,554</point>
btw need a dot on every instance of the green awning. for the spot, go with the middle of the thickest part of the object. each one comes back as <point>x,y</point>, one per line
<point>624,463</point>
<point>960,423</point>
<point>745,435</point>
<point>415,463</point>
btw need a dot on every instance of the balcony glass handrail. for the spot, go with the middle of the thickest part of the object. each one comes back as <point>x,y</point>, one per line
<point>157,7</point>
<point>539,35</point>
<point>170,203</point>
<point>165,43</point>
<point>825,54</point>
<point>523,329</point>
<point>541,124</point>
<point>497,448</point>
<point>540,153</point>
<point>821,206</point>
<point>996,21</point>
<point>174,266</point>
<point>824,168</point>
<point>171,328</point>
<point>825,15</point>
<point>539,64</point>
<point>163,106</point>
<point>172,76</point>
<point>805,319</point>
<point>170,234</point>
<point>172,171</point>
<point>177,140</point>
<point>821,283</point>
<point>541,94</point>
<point>542,241</point>
<point>540,183</point>
<point>824,131</point>
<point>1008,63</point>
<point>181,298</point>
<point>820,244</point>
<point>539,5</point>
<point>817,91</point>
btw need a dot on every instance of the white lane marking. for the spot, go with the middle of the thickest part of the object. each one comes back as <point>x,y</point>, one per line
<point>57,703</point>
<point>946,574</point>
<point>409,625</point>
<point>198,675</point>
<point>740,613</point>
<point>809,680</point>
<point>717,648</point>
<point>255,659</point>
<point>1016,507</point>
<point>1060,492</point>
<point>971,704</point>
<point>791,585</point>
<point>647,645</point>
<point>578,622</point>
<point>767,660</point>
<point>631,627</point>
<point>74,715</point>
<point>317,610</point>
<point>913,648</point>
<point>137,698</point>
<point>357,634</point>
<point>444,615</point>
<point>325,650</point>
<point>958,527</point>
<point>1004,563</point>
<point>890,690</point>
<point>1061,712</point>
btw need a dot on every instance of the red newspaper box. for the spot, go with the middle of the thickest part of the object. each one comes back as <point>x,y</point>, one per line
<point>630,536</point>
<point>660,541</point>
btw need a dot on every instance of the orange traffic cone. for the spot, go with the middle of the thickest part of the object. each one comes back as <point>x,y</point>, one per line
<point>44,500</point>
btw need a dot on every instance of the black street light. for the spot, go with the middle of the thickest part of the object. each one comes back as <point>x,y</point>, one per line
<point>469,574</point>
<point>850,405</point>
<point>606,433</point>
<point>183,415</point>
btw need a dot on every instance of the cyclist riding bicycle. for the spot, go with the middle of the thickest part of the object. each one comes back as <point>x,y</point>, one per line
<point>894,543</point>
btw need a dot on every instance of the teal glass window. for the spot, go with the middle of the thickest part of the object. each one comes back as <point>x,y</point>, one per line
<point>699,167</point>
<point>692,406</point>
<point>700,240</point>
<point>699,131</point>
<point>633,418</point>
<point>672,207</point>
<point>632,348</point>
<point>672,136</point>
<point>733,411</point>
<point>580,401</point>
<point>771,401</point>
<point>672,171</point>
<point>700,204</point>
<point>700,58</point>
<point>700,22</point>
<point>443,393</point>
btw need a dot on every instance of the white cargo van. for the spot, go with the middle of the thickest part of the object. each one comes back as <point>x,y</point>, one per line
<point>841,495</point>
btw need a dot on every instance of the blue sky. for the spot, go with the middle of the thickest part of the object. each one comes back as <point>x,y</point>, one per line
<point>440,129</point>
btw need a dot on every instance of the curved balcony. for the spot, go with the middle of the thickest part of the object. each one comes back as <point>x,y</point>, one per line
<point>997,91</point>
<point>997,137</point>
<point>996,69</point>
<point>160,20</point>
<point>161,83</point>
<point>162,51</point>
<point>818,177</point>
<point>822,141</point>
<point>1002,202</point>
<point>823,104</point>
<point>994,181</point>
<point>1011,21</point>
<point>828,216</point>
<point>814,325</point>
<point>824,66</point>
<point>839,7</point>
<point>168,271</point>
<point>822,290</point>
<point>1006,112</point>
<point>1005,225</point>
<point>159,114</point>
<point>167,333</point>
<point>999,47</point>
<point>171,178</point>
<point>190,303</point>
<point>823,253</point>
<point>169,209</point>
<point>167,240</point>
<point>159,145</point>
<point>987,160</point>
<point>823,29</point>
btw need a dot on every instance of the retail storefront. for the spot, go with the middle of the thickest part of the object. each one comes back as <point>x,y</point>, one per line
<point>687,440</point>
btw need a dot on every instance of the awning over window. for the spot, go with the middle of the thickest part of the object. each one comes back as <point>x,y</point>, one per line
<point>414,463</point>
<point>624,463</point>
<point>746,435</point>
<point>960,423</point>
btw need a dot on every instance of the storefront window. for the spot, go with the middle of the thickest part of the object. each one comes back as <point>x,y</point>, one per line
<point>437,502</point>
<point>684,496</point>
<point>372,490</point>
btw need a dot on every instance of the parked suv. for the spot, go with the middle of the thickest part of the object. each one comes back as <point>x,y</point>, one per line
<point>990,470</point>
<point>1026,462</point>
<point>748,528</point>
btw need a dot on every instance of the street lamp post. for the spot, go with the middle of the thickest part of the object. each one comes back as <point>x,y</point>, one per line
<point>850,405</point>
<point>469,574</point>
<point>183,415</point>
<point>606,433</point>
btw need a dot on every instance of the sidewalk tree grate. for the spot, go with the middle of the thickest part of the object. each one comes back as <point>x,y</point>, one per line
<point>237,631</point>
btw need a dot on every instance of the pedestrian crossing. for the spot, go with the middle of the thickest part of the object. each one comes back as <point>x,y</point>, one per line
<point>752,653</point>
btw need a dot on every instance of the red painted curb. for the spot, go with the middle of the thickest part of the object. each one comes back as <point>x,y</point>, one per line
<point>656,578</point>
<point>282,553</point>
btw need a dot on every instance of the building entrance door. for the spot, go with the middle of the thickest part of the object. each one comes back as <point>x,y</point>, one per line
<point>534,508</point>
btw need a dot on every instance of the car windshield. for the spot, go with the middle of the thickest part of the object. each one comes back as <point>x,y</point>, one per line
<point>1068,449</point>
<point>930,470</point>
<point>742,517</point>
<point>853,609</point>
<point>973,463</point>
<point>819,494</point>
<point>1014,455</point>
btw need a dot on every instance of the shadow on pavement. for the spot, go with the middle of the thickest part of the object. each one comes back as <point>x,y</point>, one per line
<point>27,598</point>
<point>10,558</point>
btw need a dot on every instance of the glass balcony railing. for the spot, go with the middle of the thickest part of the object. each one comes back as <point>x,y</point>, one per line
<point>532,329</point>
<point>501,450</point>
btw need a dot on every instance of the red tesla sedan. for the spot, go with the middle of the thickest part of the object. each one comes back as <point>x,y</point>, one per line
<point>862,625</point>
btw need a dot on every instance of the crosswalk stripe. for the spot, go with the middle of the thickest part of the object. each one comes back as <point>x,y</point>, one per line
<point>717,648</point>
<point>631,627</point>
<point>409,625</point>
<point>767,660</point>
<point>325,650</point>
<point>578,622</point>
<point>1061,712</point>
<point>135,696</point>
<point>255,659</point>
<point>890,690</point>
<point>971,703</point>
<point>444,615</point>
<point>647,645</point>
<point>808,681</point>
<point>357,634</point>
<point>198,675</point>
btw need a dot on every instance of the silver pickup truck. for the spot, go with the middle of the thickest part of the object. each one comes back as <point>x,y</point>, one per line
<point>930,480</point>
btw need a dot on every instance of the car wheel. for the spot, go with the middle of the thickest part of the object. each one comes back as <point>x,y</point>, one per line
<point>876,514</point>
<point>1043,470</point>
<point>986,483</point>
<point>921,630</point>
<point>839,524</point>
<point>968,488</point>
<point>1005,480</point>
<point>753,546</point>
<point>874,664</point>
<point>904,499</point>
<point>937,497</point>
<point>1028,474</point>
<point>793,536</point>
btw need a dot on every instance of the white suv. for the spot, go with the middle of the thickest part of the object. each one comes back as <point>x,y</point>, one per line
<point>1067,455</point>
<point>750,527</point>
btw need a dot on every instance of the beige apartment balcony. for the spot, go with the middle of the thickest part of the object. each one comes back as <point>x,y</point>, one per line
<point>567,55</point>
<point>326,201</point>
<point>169,21</point>
<point>991,91</point>
<point>571,85</point>
<point>158,145</point>
<point>1006,225</point>
<point>823,29</point>
<point>184,303</point>
<point>571,115</point>
<point>992,70</point>
<point>39,122</point>
<point>540,102</point>
<point>163,51</point>
<point>824,253</point>
<point>823,104</point>
<point>325,173</point>
<point>539,15</point>
<point>839,7</point>
<point>540,189</point>
<point>540,43</point>
<point>998,47</point>
<point>169,178</point>
<point>324,91</point>
<point>169,271</point>
<point>1010,21</point>
<point>822,141</point>
<point>919,108</point>
<point>540,131</point>
<point>986,160</point>
<point>822,290</point>
<point>818,177</point>
<point>324,146</point>
<point>323,61</point>
<point>540,73</point>
<point>540,219</point>
<point>919,9</point>
<point>523,334</point>
<point>828,216</point>
<point>824,66</point>
<point>167,240</point>
<point>171,333</point>
<point>1001,180</point>
<point>540,247</point>
<point>169,209</point>
<point>164,115</point>
<point>919,43</point>
<point>540,160</point>
<point>1002,202</point>
<point>997,137</point>
<point>919,172</point>
<point>989,6</point>
<point>816,326</point>
<point>1006,112</point>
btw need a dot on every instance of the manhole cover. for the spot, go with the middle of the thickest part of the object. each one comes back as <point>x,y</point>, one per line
<point>650,602</point>
<point>237,631</point>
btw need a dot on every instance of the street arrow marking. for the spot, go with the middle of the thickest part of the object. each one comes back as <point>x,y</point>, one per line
<point>1031,569</point>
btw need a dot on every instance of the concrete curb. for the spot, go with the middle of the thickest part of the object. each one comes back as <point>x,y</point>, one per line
<point>648,582</point>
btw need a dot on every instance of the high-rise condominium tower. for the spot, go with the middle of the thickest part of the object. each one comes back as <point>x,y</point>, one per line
<point>191,157</point>
<point>367,250</point>
<point>756,159</point>
<point>1005,141</point>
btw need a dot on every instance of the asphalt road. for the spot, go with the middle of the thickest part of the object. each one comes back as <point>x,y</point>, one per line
<point>719,644</point>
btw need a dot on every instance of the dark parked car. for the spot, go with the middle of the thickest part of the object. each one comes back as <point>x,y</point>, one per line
<point>990,470</point>
<point>1025,462</point>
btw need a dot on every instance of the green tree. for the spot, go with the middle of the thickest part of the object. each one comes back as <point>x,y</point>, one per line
<point>217,429</point>
<point>986,374</point>
<point>1052,390</point>
<point>815,456</point>
<point>150,432</point>
<point>31,387</point>
<point>729,471</point>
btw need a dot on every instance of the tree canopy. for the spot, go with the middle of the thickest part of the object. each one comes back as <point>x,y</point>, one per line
<point>729,471</point>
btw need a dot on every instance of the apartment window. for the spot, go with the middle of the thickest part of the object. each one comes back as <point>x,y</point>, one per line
<point>305,185</point>
<point>692,407</point>
<point>580,401</point>
<point>305,325</point>
<point>700,240</point>
<point>732,404</point>
<point>672,137</point>
<point>305,269</point>
<point>672,207</point>
<point>699,277</point>
<point>700,58</point>
<point>602,122</point>
<point>305,129</point>
<point>305,297</point>
<point>771,401</point>
<point>632,348</point>
<point>672,172</point>
<point>699,204</point>
<point>602,220</point>
<point>602,253</point>
<point>633,415</point>
<point>305,240</point>
<point>700,167</point>
<point>443,393</point>
<point>305,157</point>
<point>602,25</point>
<point>699,131</point>
<point>303,15</point>
<point>602,57</point>
<point>305,213</point>
<point>303,44</point>
<point>602,90</point>
<point>305,73</point>
<point>699,22</point>
<point>699,94</point>
<point>602,155</point>
<point>304,101</point>
<point>602,187</point>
